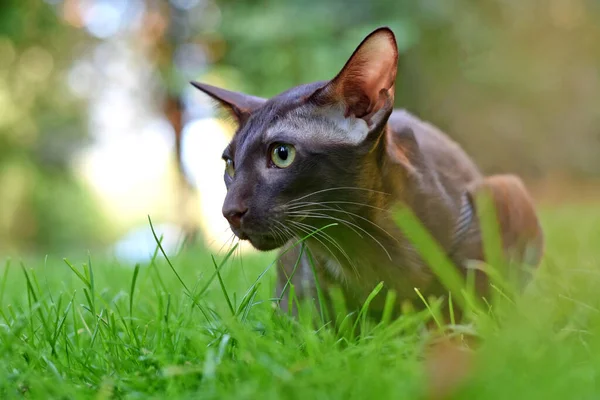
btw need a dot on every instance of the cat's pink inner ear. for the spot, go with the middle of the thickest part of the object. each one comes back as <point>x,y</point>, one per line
<point>366,83</point>
<point>239,105</point>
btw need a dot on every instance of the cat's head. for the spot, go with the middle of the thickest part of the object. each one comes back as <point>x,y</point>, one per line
<point>299,156</point>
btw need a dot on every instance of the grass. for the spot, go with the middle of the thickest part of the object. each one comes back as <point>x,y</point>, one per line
<point>206,328</point>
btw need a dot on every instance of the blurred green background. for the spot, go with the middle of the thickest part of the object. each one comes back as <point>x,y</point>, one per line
<point>99,127</point>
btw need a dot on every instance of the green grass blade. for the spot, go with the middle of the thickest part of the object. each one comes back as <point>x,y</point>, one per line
<point>61,323</point>
<point>322,306</point>
<point>4,280</point>
<point>490,230</point>
<point>223,289</point>
<point>187,290</point>
<point>451,309</point>
<point>136,271</point>
<point>388,308</point>
<point>434,315</point>
<point>82,278</point>
<point>92,283</point>
<point>32,293</point>
<point>214,275</point>
<point>162,250</point>
<point>362,315</point>
<point>289,278</point>
<point>435,257</point>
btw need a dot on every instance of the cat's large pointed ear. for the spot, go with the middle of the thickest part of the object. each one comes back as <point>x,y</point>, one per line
<point>239,105</point>
<point>365,85</point>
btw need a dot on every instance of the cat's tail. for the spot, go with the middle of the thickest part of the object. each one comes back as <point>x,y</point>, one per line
<point>520,230</point>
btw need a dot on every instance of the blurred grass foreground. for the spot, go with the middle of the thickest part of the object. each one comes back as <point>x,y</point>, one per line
<point>186,327</point>
<point>99,129</point>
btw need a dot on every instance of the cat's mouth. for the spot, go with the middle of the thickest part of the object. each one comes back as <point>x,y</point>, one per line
<point>262,241</point>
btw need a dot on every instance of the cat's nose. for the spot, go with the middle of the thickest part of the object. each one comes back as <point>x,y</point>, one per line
<point>234,215</point>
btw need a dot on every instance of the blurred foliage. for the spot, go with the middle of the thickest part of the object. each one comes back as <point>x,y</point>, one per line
<point>41,126</point>
<point>516,82</point>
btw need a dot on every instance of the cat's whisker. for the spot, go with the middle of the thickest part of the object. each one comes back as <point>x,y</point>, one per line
<point>335,188</point>
<point>317,232</point>
<point>326,236</point>
<point>358,216</point>
<point>209,244</point>
<point>315,237</point>
<point>311,214</point>
<point>240,254</point>
<point>229,243</point>
<point>286,230</point>
<point>337,208</point>
<point>275,232</point>
<point>331,240</point>
<point>341,209</point>
<point>279,232</point>
<point>289,232</point>
<point>235,243</point>
<point>312,232</point>
<point>335,202</point>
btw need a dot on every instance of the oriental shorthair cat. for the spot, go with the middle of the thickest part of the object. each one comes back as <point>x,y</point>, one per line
<point>335,156</point>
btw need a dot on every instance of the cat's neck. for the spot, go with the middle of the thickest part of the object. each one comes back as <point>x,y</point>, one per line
<point>368,247</point>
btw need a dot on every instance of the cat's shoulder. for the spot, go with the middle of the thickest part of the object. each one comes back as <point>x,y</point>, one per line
<point>403,122</point>
<point>406,126</point>
<point>415,139</point>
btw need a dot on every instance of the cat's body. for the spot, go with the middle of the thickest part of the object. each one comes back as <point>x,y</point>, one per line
<point>439,190</point>
<point>336,152</point>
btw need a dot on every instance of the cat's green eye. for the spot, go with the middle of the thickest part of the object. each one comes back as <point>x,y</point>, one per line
<point>283,155</point>
<point>229,169</point>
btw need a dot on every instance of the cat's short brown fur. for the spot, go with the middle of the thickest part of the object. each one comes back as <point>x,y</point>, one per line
<point>353,159</point>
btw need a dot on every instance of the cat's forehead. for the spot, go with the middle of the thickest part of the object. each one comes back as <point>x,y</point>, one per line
<point>292,116</point>
<point>318,125</point>
<point>275,109</point>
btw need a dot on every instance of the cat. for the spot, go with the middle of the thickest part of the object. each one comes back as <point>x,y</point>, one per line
<point>335,155</point>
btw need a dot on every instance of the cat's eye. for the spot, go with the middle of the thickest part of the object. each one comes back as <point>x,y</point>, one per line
<point>229,169</point>
<point>283,155</point>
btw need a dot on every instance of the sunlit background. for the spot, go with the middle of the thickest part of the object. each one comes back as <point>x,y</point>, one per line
<point>99,127</point>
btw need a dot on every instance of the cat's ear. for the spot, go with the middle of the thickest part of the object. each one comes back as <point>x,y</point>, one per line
<point>365,85</point>
<point>239,105</point>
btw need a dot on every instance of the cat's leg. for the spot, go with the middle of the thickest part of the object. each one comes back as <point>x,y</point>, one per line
<point>520,230</point>
<point>294,269</point>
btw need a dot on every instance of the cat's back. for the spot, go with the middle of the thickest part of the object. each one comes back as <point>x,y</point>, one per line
<point>442,153</point>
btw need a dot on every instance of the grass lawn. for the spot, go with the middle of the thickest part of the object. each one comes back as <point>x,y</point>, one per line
<point>114,331</point>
